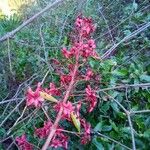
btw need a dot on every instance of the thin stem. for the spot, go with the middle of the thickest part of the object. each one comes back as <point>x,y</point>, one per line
<point>107,137</point>
<point>139,111</point>
<point>124,109</point>
<point>132,133</point>
<point>46,113</point>
<point>124,86</point>
<point>17,120</point>
<point>129,120</point>
<point>58,118</point>
<point>71,132</point>
<point>13,32</point>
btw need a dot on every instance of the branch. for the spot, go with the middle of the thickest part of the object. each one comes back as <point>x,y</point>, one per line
<point>129,120</point>
<point>112,49</point>
<point>132,131</point>
<point>13,32</point>
<point>139,111</point>
<point>107,137</point>
<point>125,86</point>
<point>58,118</point>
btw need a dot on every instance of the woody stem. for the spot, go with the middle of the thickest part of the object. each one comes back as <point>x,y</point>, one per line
<point>58,118</point>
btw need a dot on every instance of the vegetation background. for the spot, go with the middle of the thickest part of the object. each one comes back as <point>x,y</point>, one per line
<point>25,60</point>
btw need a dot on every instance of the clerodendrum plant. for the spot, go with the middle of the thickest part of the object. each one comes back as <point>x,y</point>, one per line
<point>76,71</point>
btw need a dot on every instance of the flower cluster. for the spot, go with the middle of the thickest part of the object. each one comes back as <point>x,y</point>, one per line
<point>84,26</point>
<point>91,98</point>
<point>33,97</point>
<point>59,140</point>
<point>86,137</point>
<point>64,100</point>
<point>23,143</point>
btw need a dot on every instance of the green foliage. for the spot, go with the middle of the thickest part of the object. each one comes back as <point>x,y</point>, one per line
<point>128,65</point>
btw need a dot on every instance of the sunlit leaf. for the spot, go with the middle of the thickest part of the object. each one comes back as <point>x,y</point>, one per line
<point>48,97</point>
<point>76,121</point>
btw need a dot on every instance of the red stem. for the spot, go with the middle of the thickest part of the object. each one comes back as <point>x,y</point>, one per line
<point>58,118</point>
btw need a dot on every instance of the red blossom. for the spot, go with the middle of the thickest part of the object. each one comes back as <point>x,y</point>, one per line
<point>78,107</point>
<point>89,74</point>
<point>91,44</point>
<point>91,98</point>
<point>86,137</point>
<point>67,109</point>
<point>23,143</point>
<point>33,98</point>
<point>84,26</point>
<point>82,48</point>
<point>59,140</point>
<point>65,79</point>
<point>44,131</point>
<point>67,54</point>
<point>53,90</point>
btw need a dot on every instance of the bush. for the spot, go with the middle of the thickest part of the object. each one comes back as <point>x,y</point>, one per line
<point>123,91</point>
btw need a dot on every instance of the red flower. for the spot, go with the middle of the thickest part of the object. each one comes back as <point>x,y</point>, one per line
<point>91,44</point>
<point>84,26</point>
<point>59,140</point>
<point>33,97</point>
<point>66,53</point>
<point>44,131</point>
<point>65,79</point>
<point>53,90</point>
<point>67,109</point>
<point>91,98</point>
<point>23,143</point>
<point>78,22</point>
<point>86,137</point>
<point>89,49</point>
<point>89,74</point>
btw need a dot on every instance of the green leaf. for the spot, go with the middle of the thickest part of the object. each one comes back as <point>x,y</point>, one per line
<point>126,130</point>
<point>147,133</point>
<point>121,73</point>
<point>145,77</point>
<point>114,126</point>
<point>114,106</point>
<point>107,128</point>
<point>2,132</point>
<point>105,107</point>
<point>135,6</point>
<point>97,144</point>
<point>98,127</point>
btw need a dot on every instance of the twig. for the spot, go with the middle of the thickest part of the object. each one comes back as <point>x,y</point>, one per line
<point>17,120</point>
<point>132,133</point>
<point>11,113</point>
<point>43,43</point>
<point>125,86</point>
<point>139,111</point>
<point>54,127</point>
<point>124,109</point>
<point>9,100</point>
<point>129,120</point>
<point>12,33</point>
<point>112,49</point>
<point>45,76</point>
<point>9,58</point>
<point>45,113</point>
<point>107,137</point>
<point>99,9</point>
